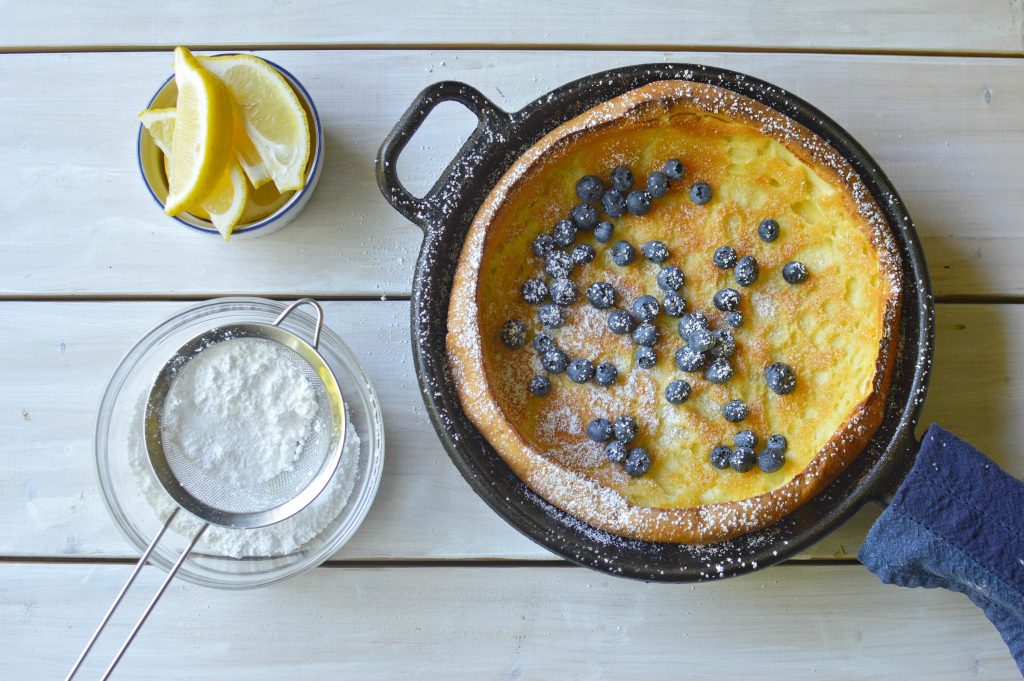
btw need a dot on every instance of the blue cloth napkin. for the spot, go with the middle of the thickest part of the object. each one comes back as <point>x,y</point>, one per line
<point>957,522</point>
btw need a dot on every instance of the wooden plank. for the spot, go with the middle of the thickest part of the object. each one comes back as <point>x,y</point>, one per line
<point>78,221</point>
<point>918,25</point>
<point>57,361</point>
<point>57,357</point>
<point>793,622</point>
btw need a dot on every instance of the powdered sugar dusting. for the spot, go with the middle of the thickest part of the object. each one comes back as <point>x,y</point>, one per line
<point>587,499</point>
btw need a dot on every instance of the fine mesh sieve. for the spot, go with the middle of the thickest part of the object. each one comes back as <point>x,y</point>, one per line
<point>210,499</point>
<point>207,497</point>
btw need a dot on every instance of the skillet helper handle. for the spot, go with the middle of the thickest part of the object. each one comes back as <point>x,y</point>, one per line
<point>422,211</point>
<point>956,522</point>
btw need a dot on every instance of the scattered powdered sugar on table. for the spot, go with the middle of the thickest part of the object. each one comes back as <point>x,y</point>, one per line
<point>279,539</point>
<point>241,411</point>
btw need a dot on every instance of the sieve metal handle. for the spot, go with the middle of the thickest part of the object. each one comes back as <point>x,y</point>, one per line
<point>319,317</point>
<point>124,590</point>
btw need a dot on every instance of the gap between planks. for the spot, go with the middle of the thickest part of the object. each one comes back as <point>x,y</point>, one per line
<point>519,47</point>
<point>342,298</point>
<point>400,563</point>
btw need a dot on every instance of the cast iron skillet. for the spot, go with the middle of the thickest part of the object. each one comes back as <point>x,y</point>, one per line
<point>445,214</point>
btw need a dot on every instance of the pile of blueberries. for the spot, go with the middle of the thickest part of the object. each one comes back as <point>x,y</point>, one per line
<point>742,458</point>
<point>706,350</point>
<point>636,461</point>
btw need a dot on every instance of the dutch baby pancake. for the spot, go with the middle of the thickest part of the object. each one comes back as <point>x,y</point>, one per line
<point>674,317</point>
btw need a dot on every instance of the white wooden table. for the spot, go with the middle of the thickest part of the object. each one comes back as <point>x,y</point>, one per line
<point>434,585</point>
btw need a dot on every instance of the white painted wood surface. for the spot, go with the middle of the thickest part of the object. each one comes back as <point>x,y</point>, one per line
<point>57,357</point>
<point>795,622</point>
<point>916,25</point>
<point>76,222</point>
<point>948,131</point>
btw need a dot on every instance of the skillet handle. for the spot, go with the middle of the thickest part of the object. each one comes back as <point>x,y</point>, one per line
<point>422,211</point>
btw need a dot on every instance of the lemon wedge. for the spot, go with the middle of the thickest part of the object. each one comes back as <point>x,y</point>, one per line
<point>160,124</point>
<point>228,203</point>
<point>201,144</point>
<point>254,167</point>
<point>274,119</point>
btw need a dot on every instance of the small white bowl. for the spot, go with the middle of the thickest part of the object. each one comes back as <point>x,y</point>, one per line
<point>151,166</point>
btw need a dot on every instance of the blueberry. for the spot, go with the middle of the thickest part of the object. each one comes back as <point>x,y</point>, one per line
<point>646,334</point>
<point>564,233</point>
<point>558,264</point>
<point>655,251</point>
<point>582,254</point>
<point>719,371</point>
<point>724,257</point>
<point>670,278</point>
<point>771,460</point>
<point>626,429</point>
<point>727,299</point>
<point>616,452</point>
<point>554,361</point>
<point>700,193</point>
<point>585,216</point>
<point>742,459</point>
<point>638,202</point>
<point>745,438</point>
<point>551,316</point>
<point>513,334</point>
<point>638,462</point>
<point>599,430</point>
<point>622,179</point>
<point>657,184</point>
<point>620,322</point>
<point>689,360</point>
<point>623,253</point>
<point>777,442</point>
<point>734,319</point>
<point>720,457</point>
<point>589,188</point>
<point>614,203</point>
<point>794,272</point>
<point>580,370</point>
<point>542,245</point>
<point>677,392</point>
<point>746,270</point>
<point>605,374</point>
<point>563,291</point>
<point>725,344</point>
<point>540,386</point>
<point>646,357</point>
<point>734,411</point>
<point>674,169</point>
<point>543,342</point>
<point>692,322</point>
<point>601,295</point>
<point>534,291</point>
<point>702,340</point>
<point>780,378</point>
<point>674,304</point>
<point>603,232</point>
<point>646,308</point>
<point>768,230</point>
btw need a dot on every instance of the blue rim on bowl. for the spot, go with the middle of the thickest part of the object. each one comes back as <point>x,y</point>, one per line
<point>284,214</point>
